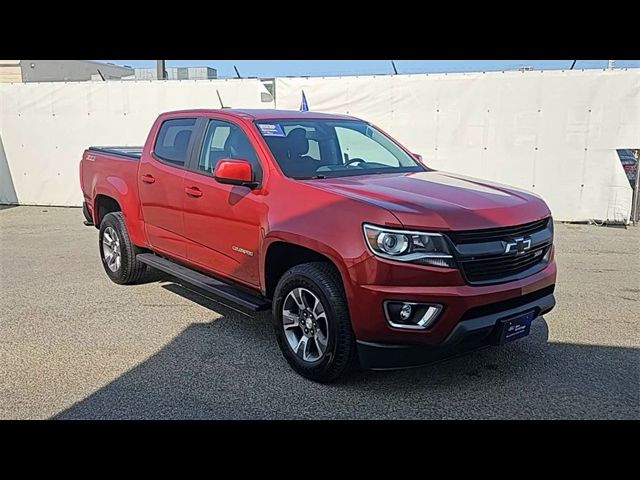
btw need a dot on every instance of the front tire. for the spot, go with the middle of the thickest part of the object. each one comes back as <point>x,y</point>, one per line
<point>311,322</point>
<point>117,252</point>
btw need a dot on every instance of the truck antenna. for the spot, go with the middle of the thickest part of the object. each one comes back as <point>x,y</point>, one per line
<point>220,99</point>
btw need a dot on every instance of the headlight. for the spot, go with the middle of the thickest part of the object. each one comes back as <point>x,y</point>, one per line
<point>424,248</point>
<point>392,243</point>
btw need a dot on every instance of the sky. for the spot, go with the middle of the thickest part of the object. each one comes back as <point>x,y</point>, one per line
<point>281,68</point>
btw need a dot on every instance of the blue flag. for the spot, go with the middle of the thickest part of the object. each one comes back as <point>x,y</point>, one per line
<point>303,105</point>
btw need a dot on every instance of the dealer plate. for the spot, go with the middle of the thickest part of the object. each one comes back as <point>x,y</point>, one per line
<point>516,327</point>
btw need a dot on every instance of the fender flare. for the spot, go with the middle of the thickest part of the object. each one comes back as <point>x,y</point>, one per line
<point>117,189</point>
<point>311,244</point>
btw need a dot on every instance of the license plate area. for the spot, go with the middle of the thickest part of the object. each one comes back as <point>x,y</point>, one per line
<point>514,328</point>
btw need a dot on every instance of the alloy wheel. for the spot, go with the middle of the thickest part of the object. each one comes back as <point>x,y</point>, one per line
<point>305,324</point>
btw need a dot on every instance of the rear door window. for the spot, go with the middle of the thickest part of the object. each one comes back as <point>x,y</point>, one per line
<point>172,142</point>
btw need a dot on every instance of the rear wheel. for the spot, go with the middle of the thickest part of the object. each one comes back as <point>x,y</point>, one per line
<point>117,252</point>
<point>311,322</point>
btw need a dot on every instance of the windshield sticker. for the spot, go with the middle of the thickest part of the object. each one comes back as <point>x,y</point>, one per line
<point>271,130</point>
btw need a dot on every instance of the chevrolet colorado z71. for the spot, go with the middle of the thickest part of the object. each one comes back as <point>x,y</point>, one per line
<point>363,253</point>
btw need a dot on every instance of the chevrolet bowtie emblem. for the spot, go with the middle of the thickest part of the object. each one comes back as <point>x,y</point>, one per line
<point>518,245</point>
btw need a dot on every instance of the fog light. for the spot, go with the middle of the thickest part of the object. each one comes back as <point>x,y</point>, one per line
<point>411,315</point>
<point>405,312</point>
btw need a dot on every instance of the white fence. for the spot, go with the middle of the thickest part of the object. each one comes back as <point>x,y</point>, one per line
<point>553,132</point>
<point>45,127</point>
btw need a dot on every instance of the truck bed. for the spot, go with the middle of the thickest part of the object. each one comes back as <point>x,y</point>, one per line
<point>128,152</point>
<point>110,171</point>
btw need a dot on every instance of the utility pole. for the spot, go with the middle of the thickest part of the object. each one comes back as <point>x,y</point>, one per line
<point>161,73</point>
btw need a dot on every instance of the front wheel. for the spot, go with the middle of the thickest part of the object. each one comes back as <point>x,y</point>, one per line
<point>311,322</point>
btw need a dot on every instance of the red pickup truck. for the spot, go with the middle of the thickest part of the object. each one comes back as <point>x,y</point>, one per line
<point>364,253</point>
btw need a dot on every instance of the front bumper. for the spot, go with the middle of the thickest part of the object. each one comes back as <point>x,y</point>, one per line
<point>469,334</point>
<point>373,282</point>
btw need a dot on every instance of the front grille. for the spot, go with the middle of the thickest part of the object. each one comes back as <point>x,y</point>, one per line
<point>501,268</point>
<point>492,234</point>
<point>481,253</point>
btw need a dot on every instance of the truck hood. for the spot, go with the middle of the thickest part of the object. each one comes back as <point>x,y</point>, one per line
<point>440,200</point>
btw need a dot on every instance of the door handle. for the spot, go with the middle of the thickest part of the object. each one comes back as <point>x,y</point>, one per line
<point>148,178</point>
<point>193,191</point>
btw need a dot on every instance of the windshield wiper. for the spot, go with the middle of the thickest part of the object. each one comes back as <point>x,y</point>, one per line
<point>314,177</point>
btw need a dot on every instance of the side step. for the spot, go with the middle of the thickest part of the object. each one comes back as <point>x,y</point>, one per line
<point>206,283</point>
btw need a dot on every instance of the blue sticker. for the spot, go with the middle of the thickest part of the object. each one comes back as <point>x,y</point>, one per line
<point>271,130</point>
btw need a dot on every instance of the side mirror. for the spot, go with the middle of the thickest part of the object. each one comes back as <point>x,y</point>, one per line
<point>417,156</point>
<point>234,172</point>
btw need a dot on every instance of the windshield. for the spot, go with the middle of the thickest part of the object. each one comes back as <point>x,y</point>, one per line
<point>333,148</point>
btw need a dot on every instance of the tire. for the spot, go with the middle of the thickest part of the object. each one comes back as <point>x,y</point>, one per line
<point>305,282</point>
<point>128,269</point>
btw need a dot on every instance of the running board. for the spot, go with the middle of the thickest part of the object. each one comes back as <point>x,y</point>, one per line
<point>206,283</point>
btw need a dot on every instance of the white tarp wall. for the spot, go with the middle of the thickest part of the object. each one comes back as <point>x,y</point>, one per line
<point>45,127</point>
<point>552,132</point>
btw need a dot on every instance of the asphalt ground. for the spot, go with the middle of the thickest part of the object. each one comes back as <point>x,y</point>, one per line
<point>75,345</point>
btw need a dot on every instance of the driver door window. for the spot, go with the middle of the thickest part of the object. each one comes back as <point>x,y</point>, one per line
<point>357,145</point>
<point>227,140</point>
